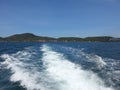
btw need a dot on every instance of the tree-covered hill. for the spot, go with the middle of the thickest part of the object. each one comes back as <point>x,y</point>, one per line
<point>29,37</point>
<point>100,38</point>
<point>70,39</point>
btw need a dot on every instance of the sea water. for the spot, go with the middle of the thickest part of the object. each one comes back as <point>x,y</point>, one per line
<point>60,66</point>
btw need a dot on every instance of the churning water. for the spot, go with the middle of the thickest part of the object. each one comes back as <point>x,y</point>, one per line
<point>59,66</point>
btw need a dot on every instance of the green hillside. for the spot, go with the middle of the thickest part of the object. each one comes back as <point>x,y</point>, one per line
<point>29,37</point>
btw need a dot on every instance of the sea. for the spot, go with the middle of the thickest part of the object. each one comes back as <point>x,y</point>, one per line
<point>59,65</point>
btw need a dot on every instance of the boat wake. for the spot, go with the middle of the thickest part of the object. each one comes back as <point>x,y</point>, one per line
<point>50,71</point>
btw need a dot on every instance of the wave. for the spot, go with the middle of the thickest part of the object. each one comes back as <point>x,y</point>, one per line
<point>58,72</point>
<point>81,56</point>
<point>24,70</point>
<point>105,68</point>
<point>69,75</point>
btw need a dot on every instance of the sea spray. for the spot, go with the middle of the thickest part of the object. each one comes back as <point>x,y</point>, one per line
<point>58,72</point>
<point>69,75</point>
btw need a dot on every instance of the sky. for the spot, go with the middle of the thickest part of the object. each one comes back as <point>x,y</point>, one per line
<point>60,18</point>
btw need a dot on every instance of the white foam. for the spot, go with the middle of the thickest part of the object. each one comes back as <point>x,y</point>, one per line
<point>59,73</point>
<point>69,75</point>
<point>99,61</point>
<point>28,78</point>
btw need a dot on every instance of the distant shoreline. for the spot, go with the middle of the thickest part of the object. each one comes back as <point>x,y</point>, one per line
<point>29,37</point>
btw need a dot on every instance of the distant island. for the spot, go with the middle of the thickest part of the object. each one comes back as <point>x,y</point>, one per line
<point>29,37</point>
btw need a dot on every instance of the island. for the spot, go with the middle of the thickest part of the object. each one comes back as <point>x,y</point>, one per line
<point>29,37</point>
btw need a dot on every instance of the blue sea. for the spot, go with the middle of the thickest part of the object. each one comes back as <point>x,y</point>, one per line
<point>60,66</point>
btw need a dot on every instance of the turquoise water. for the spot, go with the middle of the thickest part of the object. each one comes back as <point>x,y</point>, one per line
<point>60,66</point>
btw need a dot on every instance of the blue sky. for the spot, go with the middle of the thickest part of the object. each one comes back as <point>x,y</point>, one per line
<point>58,18</point>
